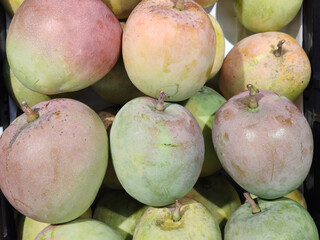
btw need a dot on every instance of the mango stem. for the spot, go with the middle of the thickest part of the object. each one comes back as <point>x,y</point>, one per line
<point>278,52</point>
<point>160,104</point>
<point>253,102</point>
<point>176,213</point>
<point>254,206</point>
<point>180,5</point>
<point>31,115</point>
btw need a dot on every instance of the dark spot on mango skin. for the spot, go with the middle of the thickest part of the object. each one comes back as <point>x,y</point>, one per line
<point>226,136</point>
<point>238,169</point>
<point>283,120</point>
<point>228,114</point>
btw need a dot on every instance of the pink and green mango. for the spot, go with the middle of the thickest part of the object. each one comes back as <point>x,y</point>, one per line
<point>267,150</point>
<point>53,165</point>
<point>62,46</point>
<point>168,46</point>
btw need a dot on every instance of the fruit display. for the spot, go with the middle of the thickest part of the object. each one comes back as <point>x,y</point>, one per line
<point>150,119</point>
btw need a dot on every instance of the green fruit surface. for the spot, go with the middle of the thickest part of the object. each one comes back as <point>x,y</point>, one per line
<point>116,87</point>
<point>281,219</point>
<point>28,228</point>
<point>266,15</point>
<point>80,229</point>
<point>218,195</point>
<point>196,223</point>
<point>120,211</point>
<point>157,155</point>
<point>203,105</point>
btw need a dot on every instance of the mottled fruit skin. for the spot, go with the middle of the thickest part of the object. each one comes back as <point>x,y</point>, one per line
<point>218,195</point>
<point>157,155</point>
<point>11,6</point>
<point>203,105</point>
<point>266,15</point>
<point>80,229</point>
<point>116,87</point>
<point>168,49</point>
<point>196,223</point>
<point>268,152</point>
<point>120,211</point>
<point>252,61</point>
<point>62,46</point>
<point>220,47</point>
<point>279,219</point>
<point>28,229</point>
<point>52,168</point>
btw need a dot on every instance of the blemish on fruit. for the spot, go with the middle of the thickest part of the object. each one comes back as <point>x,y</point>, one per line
<point>228,114</point>
<point>283,120</point>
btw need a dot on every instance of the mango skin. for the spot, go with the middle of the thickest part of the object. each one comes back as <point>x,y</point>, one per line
<point>167,49</point>
<point>220,47</point>
<point>19,93</point>
<point>28,229</point>
<point>120,211</point>
<point>157,155</point>
<point>196,223</point>
<point>279,219</point>
<point>203,105</point>
<point>268,152</point>
<point>121,8</point>
<point>116,87</point>
<point>218,195</point>
<point>62,46</point>
<point>266,15</point>
<point>80,229</point>
<point>52,168</point>
<point>252,61</point>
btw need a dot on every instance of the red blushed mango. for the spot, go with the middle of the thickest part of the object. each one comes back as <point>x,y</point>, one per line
<point>62,46</point>
<point>273,61</point>
<point>264,143</point>
<point>168,46</point>
<point>53,160</point>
